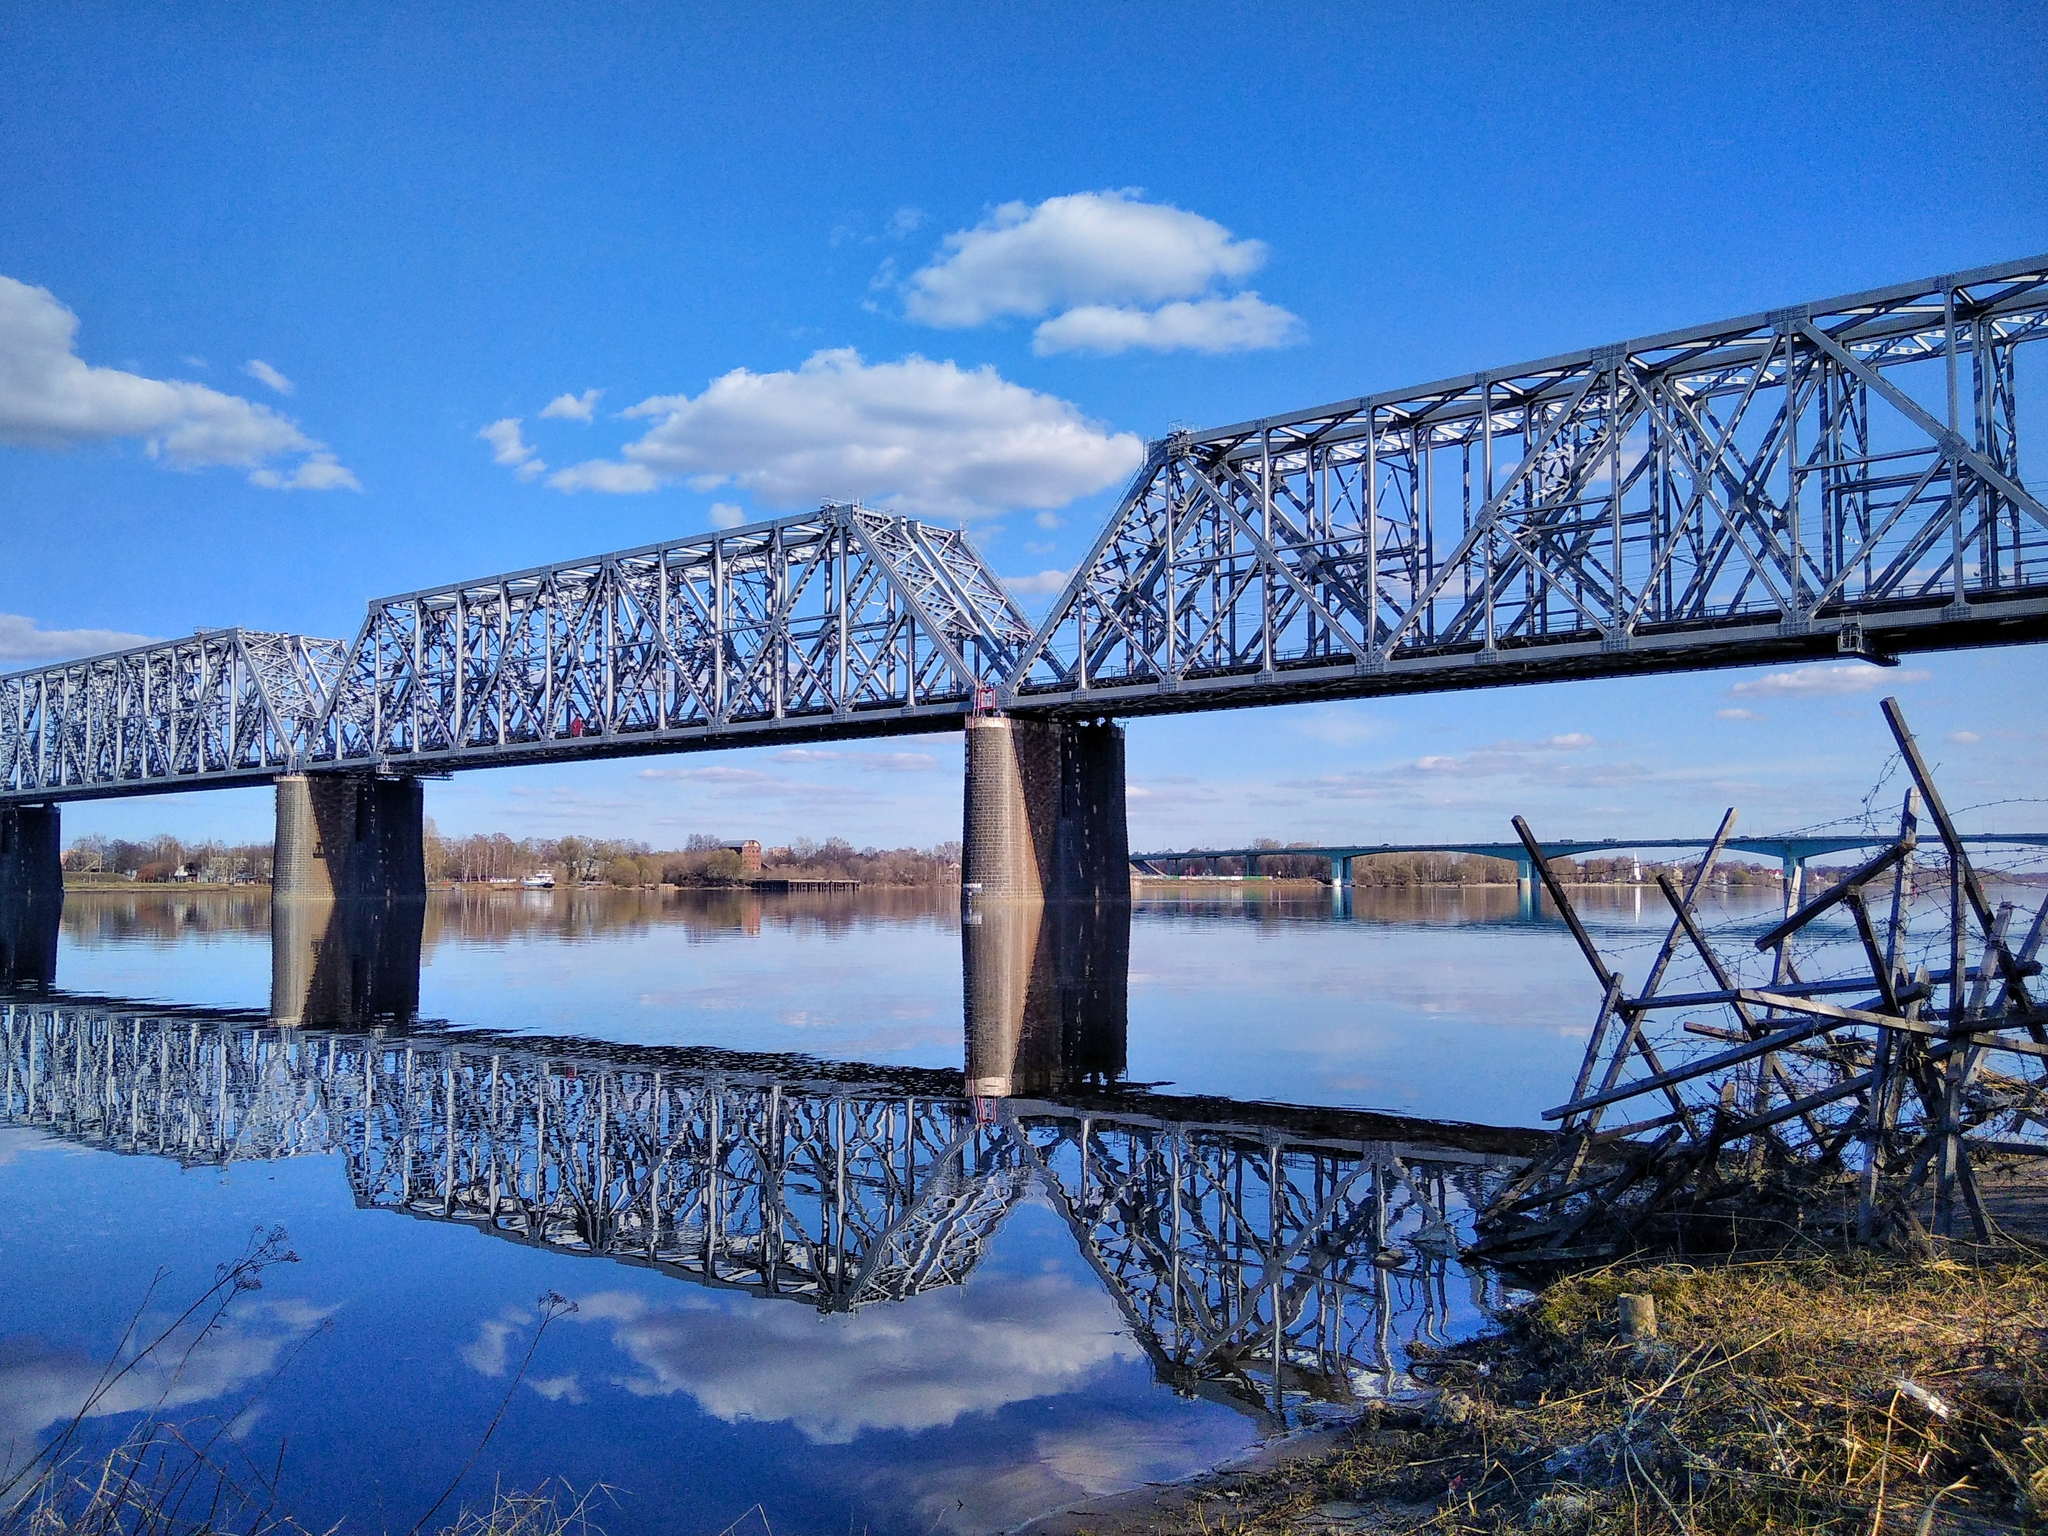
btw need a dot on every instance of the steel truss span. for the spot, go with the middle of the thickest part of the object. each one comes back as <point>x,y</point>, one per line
<point>1262,1267</point>
<point>1838,477</point>
<point>223,706</point>
<point>844,622</point>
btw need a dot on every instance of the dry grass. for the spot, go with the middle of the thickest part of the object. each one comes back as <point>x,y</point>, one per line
<point>1771,1401</point>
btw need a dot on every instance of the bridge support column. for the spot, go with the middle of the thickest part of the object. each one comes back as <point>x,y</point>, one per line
<point>1525,887</point>
<point>349,837</point>
<point>1043,811</point>
<point>31,892</point>
<point>1794,870</point>
<point>347,899</point>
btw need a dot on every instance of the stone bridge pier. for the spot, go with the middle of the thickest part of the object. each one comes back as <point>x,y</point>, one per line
<point>347,899</point>
<point>349,837</point>
<point>31,892</point>
<point>1044,811</point>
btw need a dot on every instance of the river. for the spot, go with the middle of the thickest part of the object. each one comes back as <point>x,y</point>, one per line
<point>872,1218</point>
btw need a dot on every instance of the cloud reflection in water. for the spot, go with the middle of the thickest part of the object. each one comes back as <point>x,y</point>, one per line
<point>914,1366</point>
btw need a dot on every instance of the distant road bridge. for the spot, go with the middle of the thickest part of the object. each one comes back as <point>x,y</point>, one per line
<point>1264,1258</point>
<point>1840,478</point>
<point>1792,849</point>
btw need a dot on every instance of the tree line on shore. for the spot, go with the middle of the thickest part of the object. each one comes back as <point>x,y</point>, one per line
<point>164,857</point>
<point>495,857</point>
<point>703,860</point>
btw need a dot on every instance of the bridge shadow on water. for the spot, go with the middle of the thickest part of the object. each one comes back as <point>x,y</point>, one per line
<point>1276,1258</point>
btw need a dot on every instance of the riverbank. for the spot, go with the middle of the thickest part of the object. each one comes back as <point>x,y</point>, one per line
<point>1811,1387</point>
<point>1805,1390</point>
<point>88,885</point>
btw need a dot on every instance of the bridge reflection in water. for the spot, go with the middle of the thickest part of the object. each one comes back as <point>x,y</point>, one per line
<point>1267,1257</point>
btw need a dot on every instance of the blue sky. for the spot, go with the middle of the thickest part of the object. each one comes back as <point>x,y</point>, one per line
<point>357,270</point>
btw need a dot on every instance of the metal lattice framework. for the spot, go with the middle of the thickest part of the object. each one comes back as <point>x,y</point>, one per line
<point>225,704</point>
<point>843,622</point>
<point>1835,478</point>
<point>1842,475</point>
<point>1264,1268</point>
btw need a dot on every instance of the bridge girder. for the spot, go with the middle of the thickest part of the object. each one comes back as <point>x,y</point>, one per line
<point>1839,478</point>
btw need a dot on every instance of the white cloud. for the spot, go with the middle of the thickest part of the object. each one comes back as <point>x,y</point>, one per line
<point>1085,248</point>
<point>1048,520</point>
<point>488,1353</point>
<point>1507,757</point>
<point>918,1365</point>
<point>52,398</point>
<point>22,643</point>
<point>258,369</point>
<point>1737,714</point>
<point>725,515</point>
<point>1243,323</point>
<point>607,475</point>
<point>877,762</point>
<point>920,437</point>
<point>1113,271</point>
<point>511,449</point>
<point>718,775</point>
<point>905,221</point>
<point>572,407</point>
<point>1813,681</point>
<point>1000,1486</point>
<point>557,1389</point>
<point>1044,584</point>
<point>1964,738</point>
<point>318,473</point>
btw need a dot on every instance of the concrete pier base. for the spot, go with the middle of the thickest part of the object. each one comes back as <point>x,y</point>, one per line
<point>31,893</point>
<point>349,837</point>
<point>1044,811</point>
<point>1047,994</point>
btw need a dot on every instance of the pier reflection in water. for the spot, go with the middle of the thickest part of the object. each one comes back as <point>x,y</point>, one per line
<point>1269,1258</point>
<point>28,939</point>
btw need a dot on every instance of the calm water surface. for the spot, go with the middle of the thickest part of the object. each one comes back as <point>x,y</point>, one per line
<point>871,1218</point>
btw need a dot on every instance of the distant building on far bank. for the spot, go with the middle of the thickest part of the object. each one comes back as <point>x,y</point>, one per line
<point>750,855</point>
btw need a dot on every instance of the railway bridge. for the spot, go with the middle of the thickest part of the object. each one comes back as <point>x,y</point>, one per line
<point>1839,478</point>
